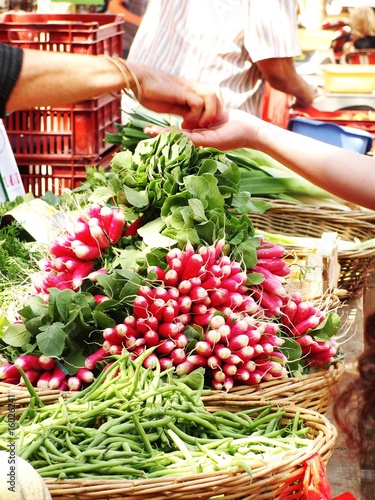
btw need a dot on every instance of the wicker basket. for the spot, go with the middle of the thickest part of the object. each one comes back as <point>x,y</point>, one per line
<point>314,391</point>
<point>293,219</point>
<point>282,480</point>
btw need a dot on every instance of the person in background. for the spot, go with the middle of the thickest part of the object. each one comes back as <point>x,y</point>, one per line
<point>346,174</point>
<point>237,45</point>
<point>132,11</point>
<point>31,78</point>
<point>362,24</point>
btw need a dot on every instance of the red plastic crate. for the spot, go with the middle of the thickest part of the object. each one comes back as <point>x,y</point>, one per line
<point>38,177</point>
<point>84,33</point>
<point>75,131</point>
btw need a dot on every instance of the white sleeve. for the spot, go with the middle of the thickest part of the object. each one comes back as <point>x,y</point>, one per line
<point>271,29</point>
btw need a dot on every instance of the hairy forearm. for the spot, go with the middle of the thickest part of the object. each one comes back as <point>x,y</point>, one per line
<point>53,79</point>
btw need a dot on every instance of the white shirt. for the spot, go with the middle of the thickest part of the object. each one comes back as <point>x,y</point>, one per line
<point>217,42</point>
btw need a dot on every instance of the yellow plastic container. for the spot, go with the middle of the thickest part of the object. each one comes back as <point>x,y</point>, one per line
<point>310,40</point>
<point>349,78</point>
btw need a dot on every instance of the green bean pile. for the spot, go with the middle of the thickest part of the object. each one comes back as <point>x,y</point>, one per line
<point>134,422</point>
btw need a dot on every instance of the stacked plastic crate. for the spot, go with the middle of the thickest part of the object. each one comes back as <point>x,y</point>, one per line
<point>53,146</point>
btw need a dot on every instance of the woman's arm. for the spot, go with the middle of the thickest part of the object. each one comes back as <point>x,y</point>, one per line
<point>60,78</point>
<point>348,175</point>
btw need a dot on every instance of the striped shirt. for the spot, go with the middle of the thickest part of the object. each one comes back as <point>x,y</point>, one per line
<point>217,42</point>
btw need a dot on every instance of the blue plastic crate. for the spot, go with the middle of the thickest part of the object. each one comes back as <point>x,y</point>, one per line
<point>349,138</point>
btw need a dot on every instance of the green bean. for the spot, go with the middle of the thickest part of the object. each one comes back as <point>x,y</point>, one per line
<point>29,450</point>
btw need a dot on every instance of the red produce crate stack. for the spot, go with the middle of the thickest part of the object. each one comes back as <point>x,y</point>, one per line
<point>61,141</point>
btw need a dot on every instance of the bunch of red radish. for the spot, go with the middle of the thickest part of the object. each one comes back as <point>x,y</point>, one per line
<point>75,252</point>
<point>45,373</point>
<point>242,337</point>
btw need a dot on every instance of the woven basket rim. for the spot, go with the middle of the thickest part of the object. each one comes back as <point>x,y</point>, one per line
<point>323,438</point>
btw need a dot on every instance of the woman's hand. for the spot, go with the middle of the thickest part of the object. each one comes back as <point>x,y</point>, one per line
<point>199,105</point>
<point>233,129</point>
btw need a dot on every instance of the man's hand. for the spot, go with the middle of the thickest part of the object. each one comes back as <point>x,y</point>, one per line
<point>199,105</point>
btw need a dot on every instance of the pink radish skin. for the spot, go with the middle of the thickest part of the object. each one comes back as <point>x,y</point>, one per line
<point>304,310</point>
<point>168,330</point>
<point>43,380</point>
<point>165,363</point>
<point>98,235</point>
<point>80,273</point>
<point>74,383</point>
<point>246,353</point>
<point>86,252</point>
<point>166,346</point>
<point>151,338</point>
<point>9,370</point>
<point>171,277</point>
<point>117,226</point>
<point>185,368</point>
<point>270,250</point>
<point>178,356</point>
<point>28,362</point>
<point>86,376</point>
<point>309,323</point>
<point>96,357</point>
<point>46,362</point>
<point>57,377</point>
<point>203,348</point>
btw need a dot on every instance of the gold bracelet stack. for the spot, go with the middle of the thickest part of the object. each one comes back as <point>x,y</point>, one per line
<point>119,62</point>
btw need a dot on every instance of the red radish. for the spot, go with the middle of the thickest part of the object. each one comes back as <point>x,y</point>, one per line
<point>214,362</point>
<point>43,381</point>
<point>174,253</point>
<point>94,275</point>
<point>246,353</point>
<point>140,307</point>
<point>272,303</point>
<point>86,252</point>
<point>74,383</point>
<point>130,322</point>
<point>86,376</point>
<point>218,375</point>
<point>229,369</point>
<point>197,360</point>
<point>234,300</point>
<point>198,309</point>
<point>81,272</point>
<point>272,264</point>
<point>184,304</point>
<point>58,375</point>
<point>132,230</point>
<point>242,375</point>
<point>171,277</point>
<point>9,370</point>
<point>198,293</point>
<point>238,342</point>
<point>304,310</point>
<point>94,358</point>
<point>156,308</point>
<point>61,246</point>
<point>165,363</point>
<point>230,284</point>
<point>249,365</point>
<point>203,348</point>
<point>161,292</point>
<point>219,297</point>
<point>193,266</point>
<point>181,340</point>
<point>82,233</point>
<point>255,377</point>
<point>213,336</point>
<point>160,273</point>
<point>211,283</point>
<point>46,362</point>
<point>225,333</point>
<point>94,210</point>
<point>100,298</point>
<point>166,346</point>
<point>178,356</point>
<point>124,330</point>
<point>63,386</point>
<point>269,250</point>
<point>116,228</point>
<point>310,323</point>
<point>115,350</point>
<point>168,330</point>
<point>203,319</point>
<point>105,216</point>
<point>151,338</point>
<point>217,321</point>
<point>143,325</point>
<point>28,362</point>
<point>177,265</point>
<point>151,361</point>
<point>185,368</point>
<point>170,312</point>
<point>221,351</point>
<point>98,234</point>
<point>270,282</point>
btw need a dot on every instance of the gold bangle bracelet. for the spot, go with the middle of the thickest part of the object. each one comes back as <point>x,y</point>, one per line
<point>118,66</point>
<point>133,75</point>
